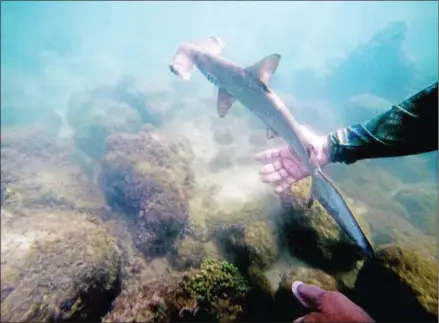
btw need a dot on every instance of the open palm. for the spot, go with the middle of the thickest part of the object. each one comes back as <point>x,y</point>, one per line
<point>282,167</point>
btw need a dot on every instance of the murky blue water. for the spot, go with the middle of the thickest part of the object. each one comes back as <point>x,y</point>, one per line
<point>83,71</point>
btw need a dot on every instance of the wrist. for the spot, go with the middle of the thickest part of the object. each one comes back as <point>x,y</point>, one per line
<point>324,155</point>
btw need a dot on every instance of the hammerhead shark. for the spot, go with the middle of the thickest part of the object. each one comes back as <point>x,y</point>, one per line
<point>250,87</point>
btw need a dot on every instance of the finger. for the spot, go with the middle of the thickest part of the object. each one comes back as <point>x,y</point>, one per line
<point>268,155</point>
<point>270,168</point>
<point>271,178</point>
<point>309,296</point>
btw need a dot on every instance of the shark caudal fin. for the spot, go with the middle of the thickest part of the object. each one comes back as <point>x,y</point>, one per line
<point>330,198</point>
<point>182,64</point>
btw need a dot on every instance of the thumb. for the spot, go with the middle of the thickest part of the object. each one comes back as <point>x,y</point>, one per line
<point>309,296</point>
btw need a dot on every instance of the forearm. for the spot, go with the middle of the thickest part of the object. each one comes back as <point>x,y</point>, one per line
<point>407,128</point>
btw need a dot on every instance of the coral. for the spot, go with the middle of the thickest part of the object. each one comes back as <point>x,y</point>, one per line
<point>56,266</point>
<point>219,289</point>
<point>186,253</point>
<point>40,170</point>
<point>399,285</point>
<point>147,303</point>
<point>287,306</point>
<point>148,176</point>
<point>313,235</point>
<point>215,292</point>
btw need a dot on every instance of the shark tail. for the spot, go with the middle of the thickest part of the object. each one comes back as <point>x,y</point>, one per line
<point>342,216</point>
<point>182,64</point>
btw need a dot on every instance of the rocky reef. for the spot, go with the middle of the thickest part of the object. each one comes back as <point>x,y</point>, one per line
<point>56,266</point>
<point>148,177</point>
<point>312,235</point>
<point>123,106</point>
<point>245,234</point>
<point>186,253</point>
<point>214,292</point>
<point>399,286</point>
<point>40,170</point>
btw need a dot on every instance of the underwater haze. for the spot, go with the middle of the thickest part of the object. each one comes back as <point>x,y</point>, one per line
<point>121,187</point>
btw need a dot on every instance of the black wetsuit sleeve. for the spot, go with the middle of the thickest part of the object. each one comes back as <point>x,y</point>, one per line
<point>408,128</point>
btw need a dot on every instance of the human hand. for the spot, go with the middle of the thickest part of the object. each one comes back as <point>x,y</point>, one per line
<point>327,306</point>
<point>282,167</point>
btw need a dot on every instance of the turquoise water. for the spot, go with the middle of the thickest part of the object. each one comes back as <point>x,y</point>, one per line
<point>79,80</point>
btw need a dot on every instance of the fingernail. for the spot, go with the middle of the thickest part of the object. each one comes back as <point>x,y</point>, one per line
<point>295,289</point>
<point>299,319</point>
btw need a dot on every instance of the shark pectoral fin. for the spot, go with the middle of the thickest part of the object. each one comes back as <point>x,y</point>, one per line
<point>271,133</point>
<point>224,102</point>
<point>213,45</point>
<point>265,68</point>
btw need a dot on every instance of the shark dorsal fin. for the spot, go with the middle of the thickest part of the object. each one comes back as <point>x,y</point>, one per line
<point>213,45</point>
<point>224,102</point>
<point>265,68</point>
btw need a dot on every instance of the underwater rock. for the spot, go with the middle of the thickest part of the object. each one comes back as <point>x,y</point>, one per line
<point>94,119</point>
<point>222,160</point>
<point>259,301</point>
<point>398,286</point>
<point>186,253</point>
<point>213,293</point>
<point>380,66</point>
<point>201,207</point>
<point>56,266</point>
<point>288,307</point>
<point>312,235</point>
<point>244,234</point>
<point>40,170</point>
<point>421,206</point>
<point>223,136</point>
<point>148,177</point>
<point>255,244</point>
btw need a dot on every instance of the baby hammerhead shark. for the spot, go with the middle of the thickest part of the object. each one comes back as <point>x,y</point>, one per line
<point>250,87</point>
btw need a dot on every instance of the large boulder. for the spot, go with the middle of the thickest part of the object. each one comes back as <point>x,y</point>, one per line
<point>148,176</point>
<point>56,266</point>
<point>313,236</point>
<point>245,233</point>
<point>399,285</point>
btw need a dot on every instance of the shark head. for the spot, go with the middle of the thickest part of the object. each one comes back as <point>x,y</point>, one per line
<point>197,53</point>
